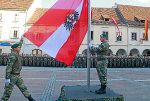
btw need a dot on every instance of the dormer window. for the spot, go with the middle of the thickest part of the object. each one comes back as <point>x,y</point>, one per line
<point>139,19</point>
<point>143,21</point>
<point>105,18</point>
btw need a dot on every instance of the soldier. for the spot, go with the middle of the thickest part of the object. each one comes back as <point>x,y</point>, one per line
<point>13,74</point>
<point>102,62</point>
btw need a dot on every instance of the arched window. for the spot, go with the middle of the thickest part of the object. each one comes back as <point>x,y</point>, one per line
<point>121,52</point>
<point>36,52</point>
<point>146,52</point>
<point>134,52</point>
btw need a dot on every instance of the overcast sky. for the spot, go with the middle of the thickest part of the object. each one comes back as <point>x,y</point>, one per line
<point>110,3</point>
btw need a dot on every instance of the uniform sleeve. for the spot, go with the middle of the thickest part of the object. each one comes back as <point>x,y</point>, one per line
<point>21,42</point>
<point>93,50</point>
<point>104,47</point>
<point>10,63</point>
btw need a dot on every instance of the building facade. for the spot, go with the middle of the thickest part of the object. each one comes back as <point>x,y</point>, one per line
<point>131,23</point>
<point>13,15</point>
<point>128,40</point>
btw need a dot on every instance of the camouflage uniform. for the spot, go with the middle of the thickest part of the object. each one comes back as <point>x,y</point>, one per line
<point>102,61</point>
<point>13,73</point>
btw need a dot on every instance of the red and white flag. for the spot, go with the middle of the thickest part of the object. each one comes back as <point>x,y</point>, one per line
<point>61,30</point>
<point>115,23</point>
<point>146,30</point>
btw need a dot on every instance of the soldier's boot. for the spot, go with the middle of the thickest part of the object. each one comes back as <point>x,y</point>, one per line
<point>30,98</point>
<point>102,90</point>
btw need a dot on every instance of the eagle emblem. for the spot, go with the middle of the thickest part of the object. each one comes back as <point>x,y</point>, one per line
<point>71,20</point>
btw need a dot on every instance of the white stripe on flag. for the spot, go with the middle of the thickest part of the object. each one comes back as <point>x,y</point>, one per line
<point>51,3</point>
<point>53,44</point>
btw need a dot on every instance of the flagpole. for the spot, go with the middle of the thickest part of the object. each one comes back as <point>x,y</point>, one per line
<point>88,41</point>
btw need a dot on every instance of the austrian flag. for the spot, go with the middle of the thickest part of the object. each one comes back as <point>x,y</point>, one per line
<point>61,30</point>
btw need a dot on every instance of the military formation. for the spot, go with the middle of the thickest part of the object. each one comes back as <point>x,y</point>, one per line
<point>80,61</point>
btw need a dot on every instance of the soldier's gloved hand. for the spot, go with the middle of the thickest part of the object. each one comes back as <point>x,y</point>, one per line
<point>7,81</point>
<point>21,38</point>
<point>90,44</point>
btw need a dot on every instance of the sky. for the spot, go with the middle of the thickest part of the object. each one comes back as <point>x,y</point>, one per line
<point>110,3</point>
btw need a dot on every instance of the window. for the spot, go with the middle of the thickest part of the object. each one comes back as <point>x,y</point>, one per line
<point>145,37</point>
<point>16,17</point>
<point>139,19</point>
<point>0,16</point>
<point>36,52</point>
<point>119,38</point>
<point>133,36</point>
<point>142,21</point>
<point>92,35</point>
<point>14,33</point>
<point>106,32</point>
<point>106,19</point>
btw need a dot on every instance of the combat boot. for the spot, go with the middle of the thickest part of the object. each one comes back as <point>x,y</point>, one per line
<point>102,90</point>
<point>30,98</point>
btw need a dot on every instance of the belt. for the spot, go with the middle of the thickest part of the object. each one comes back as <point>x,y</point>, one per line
<point>15,73</point>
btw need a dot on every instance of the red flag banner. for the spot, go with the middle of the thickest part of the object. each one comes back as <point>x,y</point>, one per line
<point>115,23</point>
<point>61,30</point>
<point>146,30</point>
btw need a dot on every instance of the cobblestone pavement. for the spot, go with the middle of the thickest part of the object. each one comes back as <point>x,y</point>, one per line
<point>45,83</point>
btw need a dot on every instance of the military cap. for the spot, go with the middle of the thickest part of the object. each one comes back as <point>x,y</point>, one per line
<point>103,35</point>
<point>15,45</point>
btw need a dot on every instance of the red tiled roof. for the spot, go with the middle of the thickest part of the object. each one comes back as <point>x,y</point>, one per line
<point>15,4</point>
<point>96,14</point>
<point>36,15</point>
<point>130,12</point>
<point>105,12</point>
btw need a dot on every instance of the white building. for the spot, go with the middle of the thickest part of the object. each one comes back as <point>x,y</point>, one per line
<point>13,15</point>
<point>135,17</point>
<point>129,18</point>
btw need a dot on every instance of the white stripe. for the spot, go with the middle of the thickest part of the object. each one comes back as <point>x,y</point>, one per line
<point>53,44</point>
<point>50,3</point>
<point>86,80</point>
<point>142,80</point>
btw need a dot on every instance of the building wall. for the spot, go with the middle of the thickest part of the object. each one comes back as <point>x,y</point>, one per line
<point>5,49</point>
<point>141,46</point>
<point>8,24</point>
<point>98,29</point>
<point>126,44</point>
